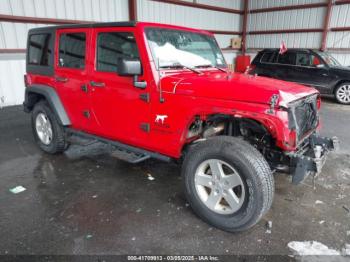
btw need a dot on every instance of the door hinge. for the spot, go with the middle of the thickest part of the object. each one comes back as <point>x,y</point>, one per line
<point>145,97</point>
<point>145,127</point>
<point>86,113</point>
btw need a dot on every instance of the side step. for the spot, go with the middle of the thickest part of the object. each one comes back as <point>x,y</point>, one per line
<point>129,156</point>
<point>121,151</point>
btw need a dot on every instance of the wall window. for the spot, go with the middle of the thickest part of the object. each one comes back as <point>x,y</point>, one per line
<point>114,45</point>
<point>72,50</point>
<point>39,49</point>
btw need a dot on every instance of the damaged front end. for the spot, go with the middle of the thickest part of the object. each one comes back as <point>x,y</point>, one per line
<point>311,157</point>
<point>312,149</point>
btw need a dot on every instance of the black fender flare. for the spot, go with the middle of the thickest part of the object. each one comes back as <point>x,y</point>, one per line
<point>51,97</point>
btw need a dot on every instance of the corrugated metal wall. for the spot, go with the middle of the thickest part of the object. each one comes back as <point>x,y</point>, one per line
<point>150,11</point>
<point>291,19</point>
<point>14,35</point>
<point>297,19</point>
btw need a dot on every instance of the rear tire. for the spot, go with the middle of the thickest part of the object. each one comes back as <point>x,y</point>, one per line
<point>342,93</point>
<point>48,132</point>
<point>238,204</point>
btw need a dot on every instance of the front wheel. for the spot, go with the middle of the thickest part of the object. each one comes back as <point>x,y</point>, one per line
<point>228,183</point>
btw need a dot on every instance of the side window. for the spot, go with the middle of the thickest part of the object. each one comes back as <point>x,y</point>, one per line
<point>287,58</point>
<point>268,57</point>
<point>72,50</point>
<point>114,45</point>
<point>303,59</point>
<point>39,49</point>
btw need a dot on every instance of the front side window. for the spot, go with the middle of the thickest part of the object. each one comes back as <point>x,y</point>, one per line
<point>72,50</point>
<point>303,59</point>
<point>39,49</point>
<point>174,48</point>
<point>112,46</point>
<point>287,58</point>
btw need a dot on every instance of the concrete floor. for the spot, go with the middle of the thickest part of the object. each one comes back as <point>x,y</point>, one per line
<point>85,202</point>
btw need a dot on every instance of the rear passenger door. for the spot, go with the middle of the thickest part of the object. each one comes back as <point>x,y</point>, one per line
<point>71,70</point>
<point>267,66</point>
<point>286,66</point>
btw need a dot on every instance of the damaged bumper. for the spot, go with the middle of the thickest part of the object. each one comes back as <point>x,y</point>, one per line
<point>310,159</point>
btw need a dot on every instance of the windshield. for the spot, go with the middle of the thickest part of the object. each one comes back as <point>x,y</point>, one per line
<point>329,60</point>
<point>175,48</point>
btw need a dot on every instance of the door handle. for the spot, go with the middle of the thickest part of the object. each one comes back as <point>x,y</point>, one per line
<point>97,84</point>
<point>61,79</point>
<point>325,74</point>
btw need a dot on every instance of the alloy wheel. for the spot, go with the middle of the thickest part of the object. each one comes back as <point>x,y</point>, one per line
<point>343,94</point>
<point>219,186</point>
<point>43,128</point>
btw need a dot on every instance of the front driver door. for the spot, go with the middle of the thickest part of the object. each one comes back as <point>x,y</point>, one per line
<point>120,109</point>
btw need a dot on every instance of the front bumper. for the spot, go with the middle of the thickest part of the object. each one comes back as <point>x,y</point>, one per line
<point>310,159</point>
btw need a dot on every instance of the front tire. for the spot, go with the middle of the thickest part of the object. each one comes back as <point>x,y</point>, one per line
<point>342,93</point>
<point>228,183</point>
<point>48,132</point>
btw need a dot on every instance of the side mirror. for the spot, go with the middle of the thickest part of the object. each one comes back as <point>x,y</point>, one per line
<point>129,67</point>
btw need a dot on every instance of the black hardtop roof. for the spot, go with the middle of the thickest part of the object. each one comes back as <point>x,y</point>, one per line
<point>87,25</point>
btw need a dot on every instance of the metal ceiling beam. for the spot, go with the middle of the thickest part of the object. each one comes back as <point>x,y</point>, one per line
<point>327,19</point>
<point>244,25</point>
<point>39,20</point>
<point>200,6</point>
<point>132,10</point>
<point>287,7</point>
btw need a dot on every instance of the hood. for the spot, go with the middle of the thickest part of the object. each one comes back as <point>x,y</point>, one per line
<point>238,87</point>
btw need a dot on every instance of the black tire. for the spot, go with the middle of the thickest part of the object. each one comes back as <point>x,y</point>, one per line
<point>253,170</point>
<point>57,143</point>
<point>337,90</point>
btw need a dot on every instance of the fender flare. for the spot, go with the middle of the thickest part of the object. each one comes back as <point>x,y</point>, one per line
<point>51,97</point>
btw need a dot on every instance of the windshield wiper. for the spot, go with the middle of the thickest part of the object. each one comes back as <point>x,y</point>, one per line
<point>178,65</point>
<point>208,66</point>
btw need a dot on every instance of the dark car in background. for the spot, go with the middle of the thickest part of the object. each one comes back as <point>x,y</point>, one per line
<point>307,67</point>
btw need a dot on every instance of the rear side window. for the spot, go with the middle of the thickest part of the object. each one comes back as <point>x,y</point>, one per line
<point>39,49</point>
<point>287,58</point>
<point>268,57</point>
<point>72,50</point>
<point>114,45</point>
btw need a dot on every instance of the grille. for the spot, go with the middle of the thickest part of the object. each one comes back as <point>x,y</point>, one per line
<point>305,116</point>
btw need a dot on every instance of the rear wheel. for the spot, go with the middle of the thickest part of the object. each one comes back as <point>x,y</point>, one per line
<point>342,93</point>
<point>228,183</point>
<point>48,133</point>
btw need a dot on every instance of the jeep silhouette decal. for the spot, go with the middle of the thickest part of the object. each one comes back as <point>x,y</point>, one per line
<point>160,118</point>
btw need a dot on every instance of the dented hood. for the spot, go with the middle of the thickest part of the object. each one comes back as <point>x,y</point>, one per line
<point>237,87</point>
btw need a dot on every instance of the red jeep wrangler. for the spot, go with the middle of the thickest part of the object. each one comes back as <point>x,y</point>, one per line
<point>165,92</point>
